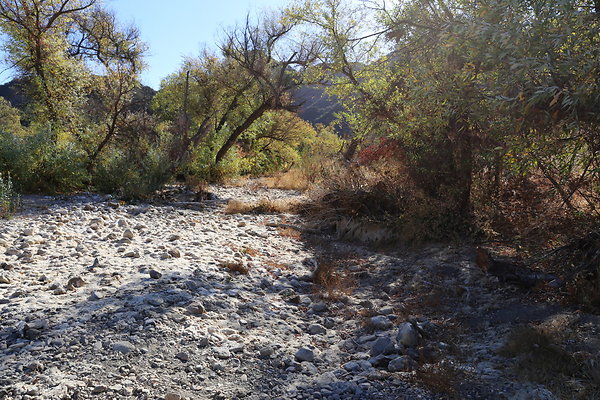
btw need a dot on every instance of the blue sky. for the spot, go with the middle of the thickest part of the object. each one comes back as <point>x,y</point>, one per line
<point>173,29</point>
<point>178,28</point>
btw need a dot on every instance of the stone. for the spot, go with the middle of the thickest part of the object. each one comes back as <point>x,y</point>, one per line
<point>222,352</point>
<point>175,253</point>
<point>357,366</point>
<point>381,322</point>
<point>12,251</point>
<point>402,363</point>
<point>123,347</point>
<point>266,351</point>
<point>183,356</point>
<point>305,354</point>
<point>59,291</point>
<point>319,307</point>
<point>5,279</point>
<point>6,267</point>
<point>95,295</point>
<point>128,234</point>
<point>535,394</point>
<point>40,324</point>
<point>99,389</point>
<point>383,345</point>
<point>132,254</point>
<point>196,309</point>
<point>316,329</point>
<point>329,323</point>
<point>35,366</point>
<point>75,283</point>
<point>28,232</point>
<point>407,335</point>
<point>154,274</point>
<point>173,396</point>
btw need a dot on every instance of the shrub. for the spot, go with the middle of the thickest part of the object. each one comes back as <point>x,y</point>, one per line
<point>541,357</point>
<point>9,199</point>
<point>37,165</point>
<point>132,175</point>
<point>383,192</point>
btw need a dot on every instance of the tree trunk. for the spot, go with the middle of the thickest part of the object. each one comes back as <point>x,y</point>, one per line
<point>241,129</point>
<point>465,170</point>
<point>351,150</point>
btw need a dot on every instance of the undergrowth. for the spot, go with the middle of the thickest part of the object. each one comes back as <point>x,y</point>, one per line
<point>263,206</point>
<point>332,283</point>
<point>541,357</point>
<point>9,199</point>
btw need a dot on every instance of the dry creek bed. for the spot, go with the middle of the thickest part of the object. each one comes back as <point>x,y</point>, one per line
<point>105,300</point>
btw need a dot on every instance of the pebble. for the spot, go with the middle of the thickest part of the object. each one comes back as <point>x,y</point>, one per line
<point>316,329</point>
<point>383,345</point>
<point>305,354</point>
<point>266,351</point>
<point>123,347</point>
<point>154,274</point>
<point>194,327</point>
<point>402,363</point>
<point>381,322</point>
<point>196,308</point>
<point>407,335</point>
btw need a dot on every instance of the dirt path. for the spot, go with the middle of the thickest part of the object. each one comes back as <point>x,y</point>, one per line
<point>105,300</point>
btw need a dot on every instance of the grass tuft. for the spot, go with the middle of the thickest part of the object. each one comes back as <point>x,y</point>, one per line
<point>293,179</point>
<point>332,283</point>
<point>263,206</point>
<point>233,267</point>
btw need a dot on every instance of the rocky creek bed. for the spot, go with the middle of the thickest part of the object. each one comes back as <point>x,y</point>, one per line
<point>105,300</point>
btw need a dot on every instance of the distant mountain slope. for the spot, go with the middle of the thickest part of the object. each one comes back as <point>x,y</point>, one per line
<point>317,107</point>
<point>14,93</point>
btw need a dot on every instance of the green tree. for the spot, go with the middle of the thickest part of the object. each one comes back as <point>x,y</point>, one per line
<point>37,45</point>
<point>10,118</point>
<point>469,86</point>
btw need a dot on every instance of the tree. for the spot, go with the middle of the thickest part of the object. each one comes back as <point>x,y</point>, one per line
<point>216,99</point>
<point>119,53</point>
<point>37,48</point>
<point>56,44</point>
<point>275,67</point>
<point>10,118</point>
<point>461,85</point>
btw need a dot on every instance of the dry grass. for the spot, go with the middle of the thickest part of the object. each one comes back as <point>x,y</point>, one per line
<point>276,265</point>
<point>290,233</point>
<point>332,283</point>
<point>263,206</point>
<point>540,358</point>
<point>239,181</point>
<point>293,179</point>
<point>442,378</point>
<point>235,268</point>
<point>250,251</point>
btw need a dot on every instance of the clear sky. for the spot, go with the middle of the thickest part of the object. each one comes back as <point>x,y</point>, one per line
<point>174,29</point>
